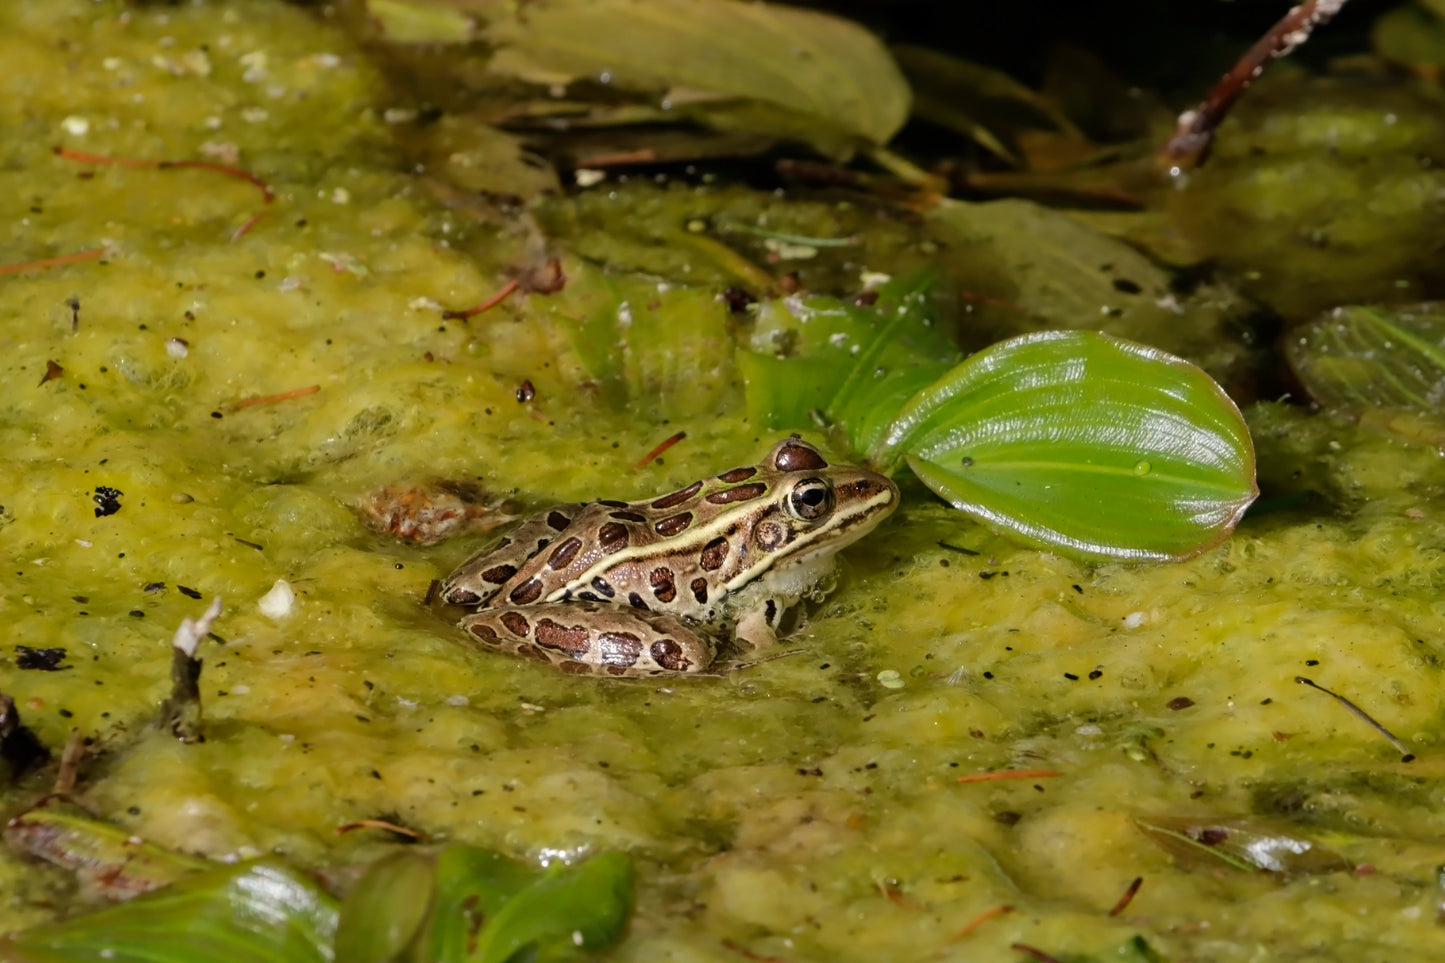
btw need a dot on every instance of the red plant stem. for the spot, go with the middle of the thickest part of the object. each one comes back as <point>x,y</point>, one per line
<point>502,294</point>
<point>51,262</point>
<point>105,160</point>
<point>646,459</point>
<point>1128,896</point>
<point>283,396</point>
<point>1188,146</point>
<point>979,920</point>
<point>1010,774</point>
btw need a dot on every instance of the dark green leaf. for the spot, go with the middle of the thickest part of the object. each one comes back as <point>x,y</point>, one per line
<point>980,102</point>
<point>383,914</point>
<point>259,912</point>
<point>570,910</point>
<point>471,886</point>
<point>1082,443</point>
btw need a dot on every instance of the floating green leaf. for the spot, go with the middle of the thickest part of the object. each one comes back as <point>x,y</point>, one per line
<point>1358,358</point>
<point>259,912</point>
<point>808,65</point>
<point>1082,443</point>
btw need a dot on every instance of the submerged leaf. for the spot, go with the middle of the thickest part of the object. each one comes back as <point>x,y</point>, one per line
<point>1358,358</point>
<point>855,365</point>
<point>570,909</point>
<point>1242,843</point>
<point>808,64</point>
<point>979,102</point>
<point>1082,443</point>
<point>109,862</point>
<point>259,912</point>
<point>383,914</point>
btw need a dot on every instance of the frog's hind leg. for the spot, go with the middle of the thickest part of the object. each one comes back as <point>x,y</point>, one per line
<point>594,638</point>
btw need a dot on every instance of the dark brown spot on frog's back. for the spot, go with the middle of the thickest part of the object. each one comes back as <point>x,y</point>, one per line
<point>738,474</point>
<point>664,588</point>
<point>498,574</point>
<point>678,497</point>
<point>699,589</point>
<point>673,524</point>
<point>668,654</point>
<point>714,553</point>
<point>612,503</point>
<point>572,640</point>
<point>484,633</point>
<point>526,593</point>
<point>627,515</point>
<point>612,537</point>
<point>563,554</point>
<point>604,588</point>
<point>635,600</point>
<point>794,455</point>
<point>461,596</point>
<point>618,648</point>
<point>573,667</point>
<point>516,623</point>
<point>532,653</point>
<point>739,494</point>
<point>557,521</point>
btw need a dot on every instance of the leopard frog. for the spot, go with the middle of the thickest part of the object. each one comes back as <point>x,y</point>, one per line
<point>647,588</point>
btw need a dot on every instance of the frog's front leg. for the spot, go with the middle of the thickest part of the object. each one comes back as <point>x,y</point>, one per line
<point>594,638</point>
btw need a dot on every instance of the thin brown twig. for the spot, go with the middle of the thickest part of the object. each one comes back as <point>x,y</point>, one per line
<point>270,399</point>
<point>1405,754</point>
<point>1128,896</point>
<point>105,160</point>
<point>378,824</point>
<point>980,919</point>
<point>749,954</point>
<point>502,294</point>
<point>647,459</point>
<point>1010,774</point>
<point>1037,954</point>
<point>70,759</point>
<point>50,262</point>
<point>1188,146</point>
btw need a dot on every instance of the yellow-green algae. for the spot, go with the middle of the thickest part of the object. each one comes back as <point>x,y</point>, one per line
<point>775,808</point>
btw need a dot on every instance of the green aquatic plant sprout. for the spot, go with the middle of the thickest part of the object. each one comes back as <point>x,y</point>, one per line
<point>1074,441</point>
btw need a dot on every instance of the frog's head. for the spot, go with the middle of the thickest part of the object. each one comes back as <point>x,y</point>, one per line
<point>820,508</point>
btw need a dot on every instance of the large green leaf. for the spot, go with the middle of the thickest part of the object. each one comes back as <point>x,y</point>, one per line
<point>259,912</point>
<point>807,64</point>
<point>1082,443</point>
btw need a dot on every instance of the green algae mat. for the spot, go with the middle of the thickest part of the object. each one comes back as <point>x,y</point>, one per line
<point>230,374</point>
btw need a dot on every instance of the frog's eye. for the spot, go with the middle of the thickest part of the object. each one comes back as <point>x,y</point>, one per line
<point>810,499</point>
